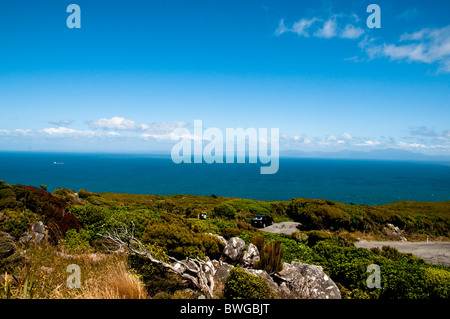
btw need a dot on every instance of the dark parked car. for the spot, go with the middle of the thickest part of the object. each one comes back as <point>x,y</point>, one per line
<point>262,221</point>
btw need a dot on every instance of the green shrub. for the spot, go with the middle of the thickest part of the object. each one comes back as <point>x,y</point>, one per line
<point>242,285</point>
<point>437,282</point>
<point>229,232</point>
<point>403,276</point>
<point>18,222</point>
<point>225,211</point>
<point>294,250</point>
<point>77,241</point>
<point>84,194</point>
<point>177,238</point>
<point>51,208</point>
<point>158,281</point>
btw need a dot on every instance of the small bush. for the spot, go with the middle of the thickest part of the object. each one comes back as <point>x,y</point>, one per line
<point>230,232</point>
<point>77,241</point>
<point>242,285</point>
<point>271,257</point>
<point>178,239</point>
<point>225,211</point>
<point>84,194</point>
<point>258,241</point>
<point>18,222</point>
<point>155,277</point>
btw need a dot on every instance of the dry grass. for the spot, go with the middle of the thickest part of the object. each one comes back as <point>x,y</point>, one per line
<point>102,276</point>
<point>116,282</point>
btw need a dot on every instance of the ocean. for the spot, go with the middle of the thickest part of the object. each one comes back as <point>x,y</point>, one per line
<point>359,181</point>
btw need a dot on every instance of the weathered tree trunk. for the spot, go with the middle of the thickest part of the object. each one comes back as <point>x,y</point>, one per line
<point>199,272</point>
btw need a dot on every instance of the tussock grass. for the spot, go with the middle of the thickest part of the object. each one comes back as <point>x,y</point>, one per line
<point>103,276</point>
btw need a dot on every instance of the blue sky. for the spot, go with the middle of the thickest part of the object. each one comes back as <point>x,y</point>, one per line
<point>136,71</point>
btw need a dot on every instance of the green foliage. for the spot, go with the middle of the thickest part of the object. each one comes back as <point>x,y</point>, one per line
<point>77,241</point>
<point>403,276</point>
<point>413,217</point>
<point>438,282</point>
<point>18,222</point>
<point>225,211</point>
<point>293,249</point>
<point>84,194</point>
<point>242,285</point>
<point>51,209</point>
<point>177,238</point>
<point>230,232</point>
<point>159,282</point>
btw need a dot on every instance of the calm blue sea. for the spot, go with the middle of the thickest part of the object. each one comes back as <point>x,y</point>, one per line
<point>358,181</point>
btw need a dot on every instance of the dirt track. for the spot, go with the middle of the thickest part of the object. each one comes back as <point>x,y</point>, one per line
<point>282,228</point>
<point>432,252</point>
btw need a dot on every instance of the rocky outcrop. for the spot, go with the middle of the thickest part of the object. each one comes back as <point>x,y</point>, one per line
<point>303,281</point>
<point>37,234</point>
<point>264,275</point>
<point>9,257</point>
<point>250,256</point>
<point>395,233</point>
<point>7,245</point>
<point>232,252</point>
<point>296,281</point>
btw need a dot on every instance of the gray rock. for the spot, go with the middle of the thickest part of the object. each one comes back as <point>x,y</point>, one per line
<point>38,232</point>
<point>7,245</point>
<point>222,273</point>
<point>395,232</point>
<point>8,251</point>
<point>264,275</point>
<point>233,251</point>
<point>303,281</point>
<point>25,238</point>
<point>251,256</point>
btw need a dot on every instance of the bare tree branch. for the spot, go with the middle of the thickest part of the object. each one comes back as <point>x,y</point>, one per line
<point>199,272</point>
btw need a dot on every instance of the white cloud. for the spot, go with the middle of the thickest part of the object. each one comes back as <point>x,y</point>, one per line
<point>281,28</point>
<point>115,123</point>
<point>332,138</point>
<point>22,131</point>
<point>346,136</point>
<point>368,143</point>
<point>351,32</point>
<point>341,26</point>
<point>162,127</point>
<point>65,132</point>
<point>4,132</point>
<point>428,45</point>
<point>328,30</point>
<point>301,27</point>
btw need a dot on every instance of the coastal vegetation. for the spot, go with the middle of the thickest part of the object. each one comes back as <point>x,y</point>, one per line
<point>171,227</point>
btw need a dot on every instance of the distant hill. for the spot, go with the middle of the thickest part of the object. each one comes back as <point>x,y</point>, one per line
<point>385,154</point>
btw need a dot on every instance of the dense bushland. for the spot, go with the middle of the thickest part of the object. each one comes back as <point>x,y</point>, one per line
<point>169,226</point>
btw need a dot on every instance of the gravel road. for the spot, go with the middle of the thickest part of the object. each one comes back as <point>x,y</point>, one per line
<point>282,228</point>
<point>431,252</point>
